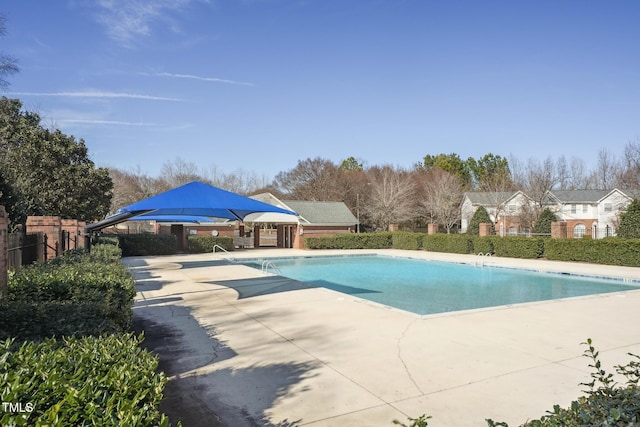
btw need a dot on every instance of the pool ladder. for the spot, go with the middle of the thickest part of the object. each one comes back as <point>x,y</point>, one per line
<point>482,257</point>
<point>229,258</point>
<point>266,264</point>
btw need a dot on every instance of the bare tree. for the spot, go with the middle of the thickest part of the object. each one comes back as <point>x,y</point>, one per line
<point>132,186</point>
<point>179,172</point>
<point>535,178</point>
<point>443,195</point>
<point>606,171</point>
<point>630,172</point>
<point>8,65</point>
<point>392,196</point>
<point>312,179</point>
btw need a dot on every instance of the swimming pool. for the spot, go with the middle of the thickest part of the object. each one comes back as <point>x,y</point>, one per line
<point>429,287</point>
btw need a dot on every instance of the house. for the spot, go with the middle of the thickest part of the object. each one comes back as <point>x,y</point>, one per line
<point>314,219</point>
<point>507,210</point>
<point>594,213</point>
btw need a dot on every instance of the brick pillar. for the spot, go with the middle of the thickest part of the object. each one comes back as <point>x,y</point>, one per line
<point>4,254</point>
<point>432,229</point>
<point>559,230</point>
<point>52,227</point>
<point>394,227</point>
<point>486,228</point>
<point>256,236</point>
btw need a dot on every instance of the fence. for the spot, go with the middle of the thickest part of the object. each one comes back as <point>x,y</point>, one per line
<point>25,249</point>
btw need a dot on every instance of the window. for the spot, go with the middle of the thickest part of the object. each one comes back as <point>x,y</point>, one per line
<point>578,231</point>
<point>511,209</point>
<point>585,208</point>
<point>573,209</point>
<point>608,207</point>
<point>513,231</point>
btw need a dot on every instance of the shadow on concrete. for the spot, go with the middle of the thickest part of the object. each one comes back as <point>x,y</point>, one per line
<point>257,286</point>
<point>198,395</point>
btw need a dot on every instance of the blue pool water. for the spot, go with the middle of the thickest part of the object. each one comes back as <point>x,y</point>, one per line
<point>429,287</point>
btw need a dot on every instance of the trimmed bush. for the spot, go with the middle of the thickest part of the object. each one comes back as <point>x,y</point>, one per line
<point>351,241</point>
<point>407,240</point>
<point>483,244</point>
<point>202,244</point>
<point>76,294</point>
<point>81,381</point>
<point>450,243</point>
<point>147,244</point>
<point>630,221</point>
<point>519,247</point>
<point>611,251</point>
<point>543,223</point>
<point>479,216</point>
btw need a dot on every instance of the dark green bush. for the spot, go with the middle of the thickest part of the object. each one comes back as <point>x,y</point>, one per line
<point>351,241</point>
<point>104,381</point>
<point>76,294</point>
<point>483,244</point>
<point>407,240</point>
<point>202,244</point>
<point>147,244</point>
<point>479,216</point>
<point>612,251</point>
<point>450,243</point>
<point>519,247</point>
<point>543,223</point>
<point>630,221</point>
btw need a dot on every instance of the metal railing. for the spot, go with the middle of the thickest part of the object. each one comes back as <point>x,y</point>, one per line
<point>482,257</point>
<point>268,264</point>
<point>230,258</point>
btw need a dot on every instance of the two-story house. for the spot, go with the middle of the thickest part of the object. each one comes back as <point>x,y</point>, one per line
<point>508,210</point>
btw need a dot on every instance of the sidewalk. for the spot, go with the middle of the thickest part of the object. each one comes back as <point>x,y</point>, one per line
<point>288,355</point>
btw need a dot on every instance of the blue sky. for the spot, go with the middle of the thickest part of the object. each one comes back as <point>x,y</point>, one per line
<point>259,84</point>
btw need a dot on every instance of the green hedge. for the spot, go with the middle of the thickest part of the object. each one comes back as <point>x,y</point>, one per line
<point>202,244</point>
<point>611,251</point>
<point>351,241</point>
<point>76,294</point>
<point>147,244</point>
<point>451,243</point>
<point>407,240</point>
<point>483,244</point>
<point>104,381</point>
<point>519,247</point>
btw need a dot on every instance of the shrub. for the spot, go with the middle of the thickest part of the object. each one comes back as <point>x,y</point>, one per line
<point>381,240</point>
<point>543,223</point>
<point>612,251</point>
<point>407,240</point>
<point>484,244</point>
<point>519,247</point>
<point>630,221</point>
<point>105,380</point>
<point>479,216</point>
<point>451,243</point>
<point>76,294</point>
<point>147,244</point>
<point>202,244</point>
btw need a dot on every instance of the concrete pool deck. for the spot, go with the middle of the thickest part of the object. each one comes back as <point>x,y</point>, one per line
<point>284,354</point>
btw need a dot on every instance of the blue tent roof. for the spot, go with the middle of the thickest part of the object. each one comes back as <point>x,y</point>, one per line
<point>192,199</point>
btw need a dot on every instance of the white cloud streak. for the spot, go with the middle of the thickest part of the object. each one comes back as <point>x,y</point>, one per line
<point>204,79</point>
<point>105,122</point>
<point>95,94</point>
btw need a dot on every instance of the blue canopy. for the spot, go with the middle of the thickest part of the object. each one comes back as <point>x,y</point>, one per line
<point>171,218</point>
<point>192,199</point>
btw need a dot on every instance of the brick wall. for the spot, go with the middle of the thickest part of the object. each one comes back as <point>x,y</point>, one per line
<point>52,227</point>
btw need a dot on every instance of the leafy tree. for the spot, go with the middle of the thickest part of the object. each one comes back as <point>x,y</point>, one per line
<point>49,172</point>
<point>543,223</point>
<point>451,163</point>
<point>480,215</point>
<point>351,164</point>
<point>490,172</point>
<point>630,221</point>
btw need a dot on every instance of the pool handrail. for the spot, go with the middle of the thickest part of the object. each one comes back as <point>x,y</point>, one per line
<point>223,250</point>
